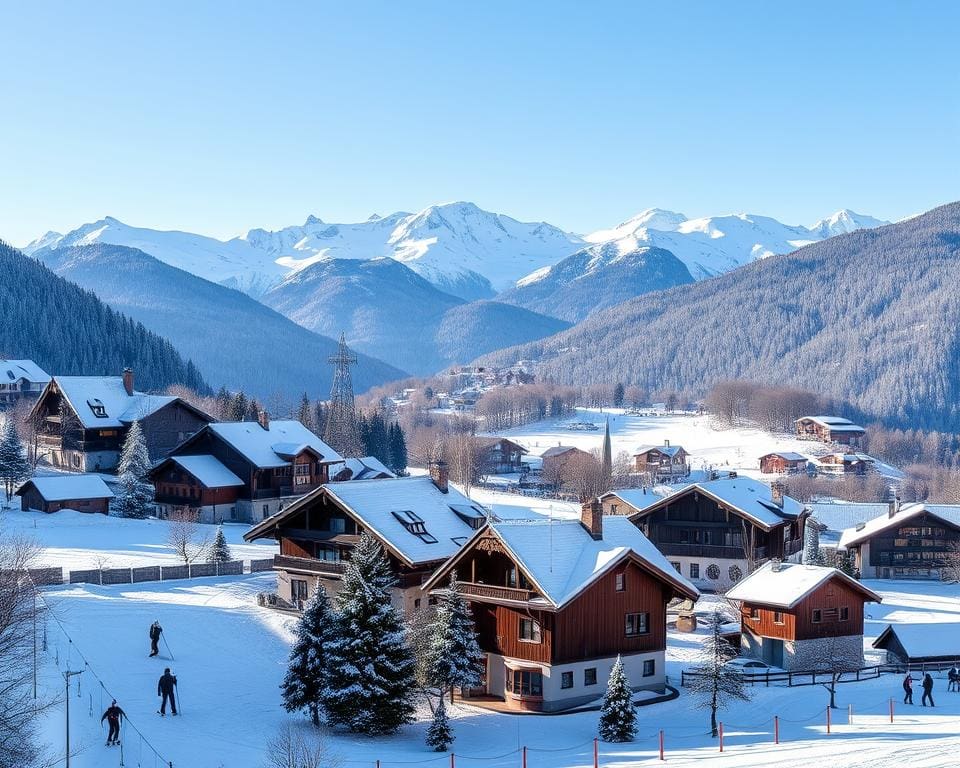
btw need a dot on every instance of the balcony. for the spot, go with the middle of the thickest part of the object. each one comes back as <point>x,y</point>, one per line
<point>492,592</point>
<point>309,565</point>
<point>710,550</point>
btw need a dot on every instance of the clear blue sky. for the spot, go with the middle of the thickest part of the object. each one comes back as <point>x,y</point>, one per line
<point>215,117</point>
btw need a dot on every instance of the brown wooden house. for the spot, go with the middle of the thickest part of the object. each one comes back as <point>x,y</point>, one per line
<point>555,603</point>
<point>782,463</point>
<point>242,470</point>
<point>717,531</point>
<point>802,617</point>
<point>420,522</point>
<point>556,458</point>
<point>51,493</point>
<point>829,429</point>
<point>845,463</point>
<point>662,462</point>
<point>21,380</point>
<point>84,420</point>
<point>499,456</point>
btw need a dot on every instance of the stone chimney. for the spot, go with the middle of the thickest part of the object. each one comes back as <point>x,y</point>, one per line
<point>893,505</point>
<point>666,443</point>
<point>263,419</point>
<point>591,517</point>
<point>128,381</point>
<point>440,474</point>
<point>777,489</point>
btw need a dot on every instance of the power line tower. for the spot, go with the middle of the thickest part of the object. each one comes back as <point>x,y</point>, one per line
<point>342,433</point>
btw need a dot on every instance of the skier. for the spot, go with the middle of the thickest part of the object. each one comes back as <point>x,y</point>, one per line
<point>113,715</point>
<point>165,687</point>
<point>155,631</point>
<point>953,677</point>
<point>908,689</point>
<point>927,690</point>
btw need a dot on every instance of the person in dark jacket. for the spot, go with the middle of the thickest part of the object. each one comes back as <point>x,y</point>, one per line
<point>113,715</point>
<point>155,631</point>
<point>165,687</point>
<point>908,689</point>
<point>953,676</point>
<point>927,690</point>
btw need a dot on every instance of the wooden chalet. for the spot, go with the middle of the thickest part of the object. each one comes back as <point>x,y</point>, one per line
<point>21,380</point>
<point>829,429</point>
<point>912,541</point>
<point>242,470</point>
<point>663,463</point>
<point>555,459</point>
<point>802,617</point>
<point>932,643</point>
<point>628,501</point>
<point>555,603</point>
<point>717,531</point>
<point>499,456</point>
<point>51,493</point>
<point>845,463</point>
<point>782,463</point>
<point>83,420</point>
<point>420,522</point>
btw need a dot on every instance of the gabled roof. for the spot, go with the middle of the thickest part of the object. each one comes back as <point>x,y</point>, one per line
<point>208,470</point>
<point>638,498</point>
<point>786,456</point>
<point>927,640</point>
<point>558,450</point>
<point>362,469</point>
<point>380,507</point>
<point>274,446</point>
<point>89,395</point>
<point>15,370</point>
<point>68,487</point>
<point>837,516</point>
<point>487,442</point>
<point>562,559</point>
<point>946,513</point>
<point>742,495</point>
<point>849,458</point>
<point>784,585</point>
<point>834,423</point>
<point>666,450</point>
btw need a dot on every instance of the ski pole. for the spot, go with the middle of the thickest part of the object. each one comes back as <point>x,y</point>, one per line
<point>167,646</point>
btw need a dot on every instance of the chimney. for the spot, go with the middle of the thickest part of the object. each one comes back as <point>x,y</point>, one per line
<point>263,419</point>
<point>666,443</point>
<point>776,492</point>
<point>893,506</point>
<point>732,475</point>
<point>440,474</point>
<point>128,381</point>
<point>591,517</point>
<point>775,565</point>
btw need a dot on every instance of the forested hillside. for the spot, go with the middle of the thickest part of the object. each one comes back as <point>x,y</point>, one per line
<point>67,330</point>
<point>870,317</point>
<point>234,340</point>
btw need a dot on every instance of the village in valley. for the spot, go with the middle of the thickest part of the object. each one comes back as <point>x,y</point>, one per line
<point>477,568</point>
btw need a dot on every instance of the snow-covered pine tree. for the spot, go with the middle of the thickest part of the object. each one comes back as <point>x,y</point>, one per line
<point>135,494</point>
<point>618,718</point>
<point>440,734</point>
<point>714,683</point>
<point>370,672</point>
<point>811,544</point>
<point>14,467</point>
<point>398,449</point>
<point>219,550</point>
<point>307,671</point>
<point>455,655</point>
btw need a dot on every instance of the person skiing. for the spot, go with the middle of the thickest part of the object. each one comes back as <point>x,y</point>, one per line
<point>927,690</point>
<point>155,631</point>
<point>113,715</point>
<point>165,687</point>
<point>908,689</point>
<point>953,678</point>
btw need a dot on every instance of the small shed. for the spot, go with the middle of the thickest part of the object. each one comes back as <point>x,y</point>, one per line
<point>930,642</point>
<point>782,463</point>
<point>51,493</point>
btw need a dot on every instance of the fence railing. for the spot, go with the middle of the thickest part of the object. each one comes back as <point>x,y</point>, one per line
<point>137,575</point>
<point>798,678</point>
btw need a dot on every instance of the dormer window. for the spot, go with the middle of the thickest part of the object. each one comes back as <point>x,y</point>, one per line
<point>415,525</point>
<point>98,408</point>
<point>472,516</point>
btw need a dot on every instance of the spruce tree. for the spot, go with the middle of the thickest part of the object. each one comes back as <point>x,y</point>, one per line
<point>14,467</point>
<point>370,680</point>
<point>135,493</point>
<point>305,412</point>
<point>307,671</point>
<point>220,550</point>
<point>811,544</point>
<point>440,734</point>
<point>398,450</point>
<point>618,718</point>
<point>455,655</point>
<point>239,410</point>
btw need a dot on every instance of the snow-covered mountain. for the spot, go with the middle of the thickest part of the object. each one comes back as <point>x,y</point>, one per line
<point>843,222</point>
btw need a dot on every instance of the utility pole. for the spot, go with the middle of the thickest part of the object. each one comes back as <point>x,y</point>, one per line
<point>66,676</point>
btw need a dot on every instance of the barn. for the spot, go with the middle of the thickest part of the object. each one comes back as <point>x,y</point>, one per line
<point>51,493</point>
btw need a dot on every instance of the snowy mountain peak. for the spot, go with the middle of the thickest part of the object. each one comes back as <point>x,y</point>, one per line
<point>311,219</point>
<point>844,221</point>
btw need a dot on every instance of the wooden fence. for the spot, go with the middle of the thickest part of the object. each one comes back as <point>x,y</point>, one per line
<point>793,679</point>
<point>139,575</point>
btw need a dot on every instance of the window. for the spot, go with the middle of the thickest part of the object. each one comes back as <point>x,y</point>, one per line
<point>512,576</point>
<point>636,624</point>
<point>676,566</point>
<point>416,604</point>
<point>530,631</point>
<point>415,525</point>
<point>694,570</point>
<point>649,667</point>
<point>621,582</point>
<point>566,680</point>
<point>816,616</point>
<point>337,525</point>
<point>266,511</point>
<point>298,591</point>
<point>327,553</point>
<point>524,682</point>
<point>844,613</point>
<point>97,408</point>
<point>590,676</point>
<point>778,617</point>
<point>754,614</point>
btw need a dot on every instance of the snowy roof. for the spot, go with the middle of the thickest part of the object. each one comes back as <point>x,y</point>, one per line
<point>949,513</point>
<point>106,395</point>
<point>829,421</point>
<point>68,487</point>
<point>751,498</point>
<point>562,558</point>
<point>666,450</point>
<point>848,458</point>
<point>786,584</point>
<point>15,370</point>
<point>638,498</point>
<point>486,442</point>
<point>271,447</point>
<point>925,640</point>
<point>556,450</point>
<point>838,516</point>
<point>208,470</point>
<point>786,455</point>
<point>361,469</point>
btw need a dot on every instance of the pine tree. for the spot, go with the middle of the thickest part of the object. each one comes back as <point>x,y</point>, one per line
<point>224,404</point>
<point>135,494</point>
<point>370,674</point>
<point>811,544</point>
<point>440,734</point>
<point>220,550</point>
<point>377,441</point>
<point>253,410</point>
<point>618,393</point>
<point>618,718</point>
<point>606,460</point>
<point>307,671</point>
<point>714,683</point>
<point>398,450</point>
<point>14,467</point>
<point>305,412</point>
<point>239,410</point>
<point>455,655</point>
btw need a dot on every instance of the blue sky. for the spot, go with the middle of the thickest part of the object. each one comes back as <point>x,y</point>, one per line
<point>218,117</point>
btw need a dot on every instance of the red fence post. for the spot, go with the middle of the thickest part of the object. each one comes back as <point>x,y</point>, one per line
<point>524,757</point>
<point>661,745</point>
<point>453,762</point>
<point>776,729</point>
<point>891,710</point>
<point>596,753</point>
<point>721,737</point>
<point>828,719</point>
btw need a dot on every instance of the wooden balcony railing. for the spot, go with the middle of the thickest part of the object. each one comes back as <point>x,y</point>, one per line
<point>471,589</point>
<point>309,565</point>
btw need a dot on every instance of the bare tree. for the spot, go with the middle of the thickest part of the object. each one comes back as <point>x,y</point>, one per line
<point>714,683</point>
<point>583,476</point>
<point>29,425</point>
<point>460,452</point>
<point>749,545</point>
<point>294,747</point>
<point>835,655</point>
<point>184,536</point>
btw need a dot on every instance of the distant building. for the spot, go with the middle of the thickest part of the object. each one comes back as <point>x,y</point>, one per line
<point>845,463</point>
<point>555,459</point>
<point>925,643</point>
<point>782,463</point>
<point>829,429</point>
<point>628,501</point>
<point>665,463</point>
<point>51,493</point>
<point>499,456</point>
<point>801,617</point>
<point>366,468</point>
<point>21,380</point>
